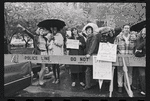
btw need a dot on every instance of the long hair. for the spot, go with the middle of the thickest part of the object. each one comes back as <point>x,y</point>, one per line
<point>140,38</point>
<point>72,36</point>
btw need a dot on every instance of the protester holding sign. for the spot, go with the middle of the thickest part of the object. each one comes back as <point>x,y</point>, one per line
<point>77,69</point>
<point>104,35</point>
<point>125,44</point>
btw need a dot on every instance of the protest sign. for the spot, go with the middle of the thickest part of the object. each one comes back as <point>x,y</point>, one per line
<point>107,52</point>
<point>73,44</point>
<point>102,69</point>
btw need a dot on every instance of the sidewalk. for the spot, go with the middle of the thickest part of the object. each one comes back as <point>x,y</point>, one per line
<point>64,89</point>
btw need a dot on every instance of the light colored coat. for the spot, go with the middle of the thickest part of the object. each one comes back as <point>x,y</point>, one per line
<point>56,46</point>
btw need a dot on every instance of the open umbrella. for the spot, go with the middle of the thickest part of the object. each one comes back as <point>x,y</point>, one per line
<point>104,29</point>
<point>59,24</point>
<point>94,26</point>
<point>139,26</point>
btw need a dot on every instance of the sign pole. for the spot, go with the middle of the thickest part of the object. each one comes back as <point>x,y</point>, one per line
<point>126,83</point>
<point>111,83</point>
<point>100,83</point>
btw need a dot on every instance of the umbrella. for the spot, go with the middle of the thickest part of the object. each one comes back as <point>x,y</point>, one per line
<point>94,26</point>
<point>51,23</point>
<point>117,31</point>
<point>139,26</point>
<point>104,29</point>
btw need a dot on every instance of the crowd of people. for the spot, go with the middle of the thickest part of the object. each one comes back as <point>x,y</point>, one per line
<point>52,42</point>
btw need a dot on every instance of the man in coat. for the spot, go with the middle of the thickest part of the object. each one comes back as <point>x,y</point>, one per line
<point>89,70</point>
<point>105,35</point>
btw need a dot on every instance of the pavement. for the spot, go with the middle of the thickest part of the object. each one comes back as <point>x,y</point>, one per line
<point>64,89</point>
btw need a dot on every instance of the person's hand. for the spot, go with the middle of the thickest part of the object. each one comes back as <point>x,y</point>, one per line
<point>21,27</point>
<point>80,43</point>
<point>138,51</point>
<point>52,37</point>
<point>87,56</point>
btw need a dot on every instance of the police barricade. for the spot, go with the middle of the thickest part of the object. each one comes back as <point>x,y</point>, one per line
<point>122,60</point>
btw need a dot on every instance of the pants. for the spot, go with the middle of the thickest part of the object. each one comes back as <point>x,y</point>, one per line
<point>135,77</point>
<point>89,77</point>
<point>120,73</point>
<point>56,69</point>
<point>74,77</point>
<point>42,72</point>
<point>142,78</point>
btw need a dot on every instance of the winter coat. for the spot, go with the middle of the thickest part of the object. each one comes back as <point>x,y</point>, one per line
<point>89,42</point>
<point>96,39</point>
<point>80,51</point>
<point>56,47</point>
<point>140,45</point>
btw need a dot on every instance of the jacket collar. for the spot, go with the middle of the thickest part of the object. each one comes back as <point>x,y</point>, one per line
<point>89,36</point>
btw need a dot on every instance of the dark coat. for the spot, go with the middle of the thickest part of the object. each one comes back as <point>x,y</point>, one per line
<point>93,50</point>
<point>89,41</point>
<point>80,51</point>
<point>140,45</point>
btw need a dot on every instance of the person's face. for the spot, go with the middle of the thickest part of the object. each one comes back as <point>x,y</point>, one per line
<point>54,30</point>
<point>89,31</point>
<point>133,37</point>
<point>74,31</point>
<point>37,31</point>
<point>45,31</point>
<point>111,34</point>
<point>144,33</point>
<point>126,29</point>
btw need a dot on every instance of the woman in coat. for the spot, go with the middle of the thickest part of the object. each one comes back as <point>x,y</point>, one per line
<point>56,47</point>
<point>77,69</point>
<point>140,51</point>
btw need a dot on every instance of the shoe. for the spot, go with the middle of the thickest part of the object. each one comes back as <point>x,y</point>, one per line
<point>54,81</point>
<point>35,76</point>
<point>82,84</point>
<point>133,87</point>
<point>41,83</point>
<point>86,88</point>
<point>57,81</point>
<point>120,89</point>
<point>73,84</point>
<point>143,93</point>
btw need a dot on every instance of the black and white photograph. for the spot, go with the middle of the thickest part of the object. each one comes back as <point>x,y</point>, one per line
<point>74,49</point>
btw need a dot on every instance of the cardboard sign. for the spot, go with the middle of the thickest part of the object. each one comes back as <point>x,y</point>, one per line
<point>73,44</point>
<point>107,52</point>
<point>102,69</point>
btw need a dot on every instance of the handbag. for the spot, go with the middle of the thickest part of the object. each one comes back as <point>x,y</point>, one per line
<point>139,53</point>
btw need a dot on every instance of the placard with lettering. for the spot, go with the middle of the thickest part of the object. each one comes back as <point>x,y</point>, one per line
<point>107,52</point>
<point>102,69</point>
<point>73,44</point>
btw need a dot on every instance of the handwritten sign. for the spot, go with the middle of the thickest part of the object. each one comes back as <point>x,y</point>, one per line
<point>107,52</point>
<point>101,69</point>
<point>73,44</point>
